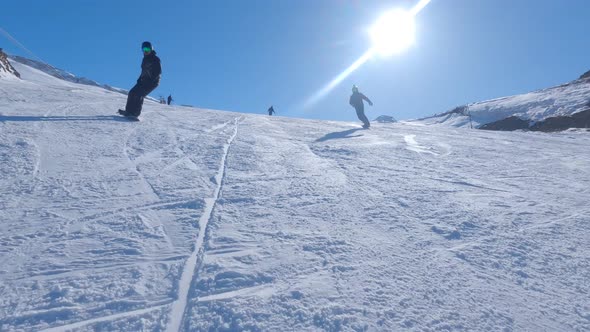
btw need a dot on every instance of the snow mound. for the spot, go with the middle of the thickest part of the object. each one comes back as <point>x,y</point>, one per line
<point>385,119</point>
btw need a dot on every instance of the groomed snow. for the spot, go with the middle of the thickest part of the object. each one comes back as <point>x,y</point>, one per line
<point>201,220</point>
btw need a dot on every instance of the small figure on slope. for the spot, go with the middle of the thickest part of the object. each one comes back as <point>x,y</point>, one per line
<point>271,111</point>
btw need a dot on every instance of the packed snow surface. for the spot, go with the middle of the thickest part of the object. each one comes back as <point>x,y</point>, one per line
<point>201,220</point>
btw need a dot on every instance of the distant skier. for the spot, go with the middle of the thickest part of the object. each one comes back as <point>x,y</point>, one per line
<point>149,79</point>
<point>356,101</point>
<point>170,99</point>
<point>271,111</point>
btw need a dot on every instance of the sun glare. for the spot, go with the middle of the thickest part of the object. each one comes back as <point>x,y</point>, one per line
<point>393,32</point>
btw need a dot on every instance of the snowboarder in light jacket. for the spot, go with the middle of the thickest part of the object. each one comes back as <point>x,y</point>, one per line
<point>149,79</point>
<point>356,101</point>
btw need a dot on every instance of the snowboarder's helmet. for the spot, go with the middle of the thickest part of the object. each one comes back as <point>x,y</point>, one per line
<point>147,46</point>
<point>355,88</point>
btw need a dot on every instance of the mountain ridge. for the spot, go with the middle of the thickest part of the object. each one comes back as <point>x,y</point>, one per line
<point>62,74</point>
<point>528,111</point>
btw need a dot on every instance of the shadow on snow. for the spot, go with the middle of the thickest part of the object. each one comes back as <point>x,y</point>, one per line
<point>339,134</point>
<point>62,118</point>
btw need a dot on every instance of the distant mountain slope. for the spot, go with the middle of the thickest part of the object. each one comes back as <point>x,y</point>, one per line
<point>535,107</point>
<point>62,74</point>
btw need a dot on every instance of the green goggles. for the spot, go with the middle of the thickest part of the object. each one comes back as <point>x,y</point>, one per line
<point>147,49</point>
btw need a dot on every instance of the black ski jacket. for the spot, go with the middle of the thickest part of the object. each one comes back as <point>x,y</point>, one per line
<point>356,100</point>
<point>151,70</point>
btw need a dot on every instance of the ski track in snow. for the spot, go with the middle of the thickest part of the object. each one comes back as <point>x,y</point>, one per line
<point>414,146</point>
<point>214,128</point>
<point>188,272</point>
<point>131,161</point>
<point>110,318</point>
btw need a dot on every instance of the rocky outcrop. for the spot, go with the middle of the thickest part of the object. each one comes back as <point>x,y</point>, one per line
<point>385,119</point>
<point>586,75</point>
<point>5,67</point>
<point>508,124</point>
<point>558,123</point>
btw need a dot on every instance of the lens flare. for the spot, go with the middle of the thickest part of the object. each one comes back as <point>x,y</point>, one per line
<point>338,79</point>
<point>418,7</point>
<point>392,33</point>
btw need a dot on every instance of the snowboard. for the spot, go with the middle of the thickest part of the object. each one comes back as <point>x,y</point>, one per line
<point>128,117</point>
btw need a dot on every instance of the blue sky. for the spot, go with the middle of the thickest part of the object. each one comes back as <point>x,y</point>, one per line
<point>244,56</point>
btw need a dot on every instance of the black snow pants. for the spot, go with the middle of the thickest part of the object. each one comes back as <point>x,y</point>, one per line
<point>136,96</point>
<point>360,112</point>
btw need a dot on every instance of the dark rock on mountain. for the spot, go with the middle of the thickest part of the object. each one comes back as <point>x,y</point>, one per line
<point>385,119</point>
<point>558,123</point>
<point>5,66</point>
<point>586,75</point>
<point>508,124</point>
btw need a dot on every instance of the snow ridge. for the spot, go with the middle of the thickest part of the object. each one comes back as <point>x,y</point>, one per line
<point>104,319</point>
<point>179,306</point>
<point>62,74</point>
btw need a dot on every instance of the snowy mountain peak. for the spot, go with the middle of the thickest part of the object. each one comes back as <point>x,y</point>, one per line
<point>6,69</point>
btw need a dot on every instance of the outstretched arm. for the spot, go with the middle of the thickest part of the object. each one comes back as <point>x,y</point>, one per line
<point>367,99</point>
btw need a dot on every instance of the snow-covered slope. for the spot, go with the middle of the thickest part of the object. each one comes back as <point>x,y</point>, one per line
<point>563,100</point>
<point>62,74</point>
<point>200,220</point>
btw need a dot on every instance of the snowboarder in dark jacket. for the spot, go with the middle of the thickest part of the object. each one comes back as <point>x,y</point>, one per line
<point>356,101</point>
<point>271,111</point>
<point>149,79</point>
<point>170,99</point>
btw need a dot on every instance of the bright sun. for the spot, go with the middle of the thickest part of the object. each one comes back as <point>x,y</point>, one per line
<point>393,32</point>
